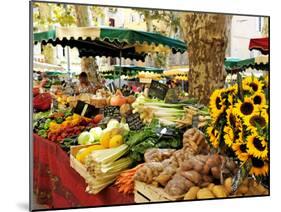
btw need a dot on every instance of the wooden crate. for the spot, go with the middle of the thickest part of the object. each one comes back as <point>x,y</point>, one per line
<point>149,193</point>
<point>75,164</point>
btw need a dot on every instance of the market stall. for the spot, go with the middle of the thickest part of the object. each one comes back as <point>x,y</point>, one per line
<point>153,145</point>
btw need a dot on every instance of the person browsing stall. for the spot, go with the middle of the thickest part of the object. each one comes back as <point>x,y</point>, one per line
<point>84,85</point>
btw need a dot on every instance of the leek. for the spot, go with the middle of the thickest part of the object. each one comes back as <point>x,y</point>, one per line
<point>109,155</point>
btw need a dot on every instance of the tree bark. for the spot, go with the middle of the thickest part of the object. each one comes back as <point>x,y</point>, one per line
<point>206,36</point>
<point>265,27</point>
<point>49,51</point>
<point>88,65</point>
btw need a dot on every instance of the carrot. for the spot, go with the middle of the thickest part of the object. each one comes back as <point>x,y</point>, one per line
<point>125,181</point>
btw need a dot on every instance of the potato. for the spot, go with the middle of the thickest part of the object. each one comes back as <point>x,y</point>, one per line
<point>261,189</point>
<point>228,185</point>
<point>207,178</point>
<point>186,165</point>
<point>206,169</point>
<point>205,193</point>
<point>193,176</point>
<point>245,182</point>
<point>219,191</point>
<point>242,189</point>
<point>192,193</point>
<point>216,172</point>
<point>198,167</point>
<point>210,186</point>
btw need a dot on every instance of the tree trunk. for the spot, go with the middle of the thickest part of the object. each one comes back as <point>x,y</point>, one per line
<point>49,51</point>
<point>206,36</point>
<point>265,27</point>
<point>88,65</point>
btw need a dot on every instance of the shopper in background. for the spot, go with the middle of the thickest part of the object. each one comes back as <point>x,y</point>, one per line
<point>44,80</point>
<point>84,85</point>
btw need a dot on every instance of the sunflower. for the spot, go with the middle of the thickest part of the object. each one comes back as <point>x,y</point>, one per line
<point>259,99</point>
<point>214,136</point>
<point>257,120</point>
<point>217,105</point>
<point>232,90</point>
<point>259,167</point>
<point>228,135</point>
<point>252,84</point>
<point>257,146</point>
<point>240,149</point>
<point>232,118</point>
<point>245,108</point>
<point>265,82</point>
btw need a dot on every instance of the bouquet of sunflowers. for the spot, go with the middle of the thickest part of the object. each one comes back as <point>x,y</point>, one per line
<point>239,126</point>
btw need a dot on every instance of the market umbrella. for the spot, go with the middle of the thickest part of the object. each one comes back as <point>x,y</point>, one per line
<point>260,44</point>
<point>46,66</point>
<point>236,64</point>
<point>130,71</point>
<point>113,42</point>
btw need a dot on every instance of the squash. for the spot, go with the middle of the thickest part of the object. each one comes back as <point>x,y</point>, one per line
<point>205,193</point>
<point>192,193</point>
<point>219,191</point>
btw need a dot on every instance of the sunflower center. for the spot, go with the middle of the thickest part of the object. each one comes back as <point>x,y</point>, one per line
<point>246,108</point>
<point>243,148</point>
<point>254,86</point>
<point>258,121</point>
<point>257,143</point>
<point>218,101</point>
<point>257,162</point>
<point>257,100</point>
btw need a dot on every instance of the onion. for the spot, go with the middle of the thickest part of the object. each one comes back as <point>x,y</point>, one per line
<point>117,100</point>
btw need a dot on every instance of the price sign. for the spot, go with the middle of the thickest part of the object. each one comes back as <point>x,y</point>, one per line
<point>157,90</point>
<point>172,96</point>
<point>111,87</point>
<point>134,121</point>
<point>112,111</point>
<point>86,110</point>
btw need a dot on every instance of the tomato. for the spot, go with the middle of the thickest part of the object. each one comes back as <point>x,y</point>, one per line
<point>98,118</point>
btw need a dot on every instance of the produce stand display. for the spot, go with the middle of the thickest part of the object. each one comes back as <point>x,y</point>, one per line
<point>174,145</point>
<point>148,146</point>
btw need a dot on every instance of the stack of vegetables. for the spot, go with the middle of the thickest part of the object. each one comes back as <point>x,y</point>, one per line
<point>106,158</point>
<point>153,108</point>
<point>104,166</point>
<point>239,124</point>
<point>43,120</point>
<point>179,114</point>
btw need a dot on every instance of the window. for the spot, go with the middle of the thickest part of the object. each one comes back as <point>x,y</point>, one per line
<point>111,22</point>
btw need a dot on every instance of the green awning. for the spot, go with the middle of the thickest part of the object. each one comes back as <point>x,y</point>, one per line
<point>113,42</point>
<point>259,63</point>
<point>129,71</point>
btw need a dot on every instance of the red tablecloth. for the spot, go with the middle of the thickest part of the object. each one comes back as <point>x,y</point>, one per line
<point>57,185</point>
